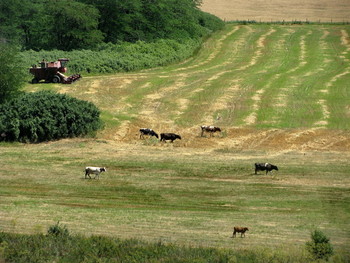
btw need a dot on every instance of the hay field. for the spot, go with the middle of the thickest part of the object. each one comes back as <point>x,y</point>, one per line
<point>280,94</point>
<point>279,10</point>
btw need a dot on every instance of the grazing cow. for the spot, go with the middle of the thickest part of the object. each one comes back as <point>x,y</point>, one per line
<point>265,167</point>
<point>94,170</point>
<point>147,131</point>
<point>210,129</point>
<point>241,230</point>
<point>169,137</point>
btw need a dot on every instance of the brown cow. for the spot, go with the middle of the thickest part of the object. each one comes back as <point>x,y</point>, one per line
<point>238,229</point>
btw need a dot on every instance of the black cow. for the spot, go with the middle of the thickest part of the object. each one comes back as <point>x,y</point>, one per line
<point>265,167</point>
<point>147,131</point>
<point>169,137</point>
<point>210,129</point>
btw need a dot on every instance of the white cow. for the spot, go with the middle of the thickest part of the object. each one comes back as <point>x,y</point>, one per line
<point>94,170</point>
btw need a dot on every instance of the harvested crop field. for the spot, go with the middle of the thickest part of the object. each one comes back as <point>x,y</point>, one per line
<point>280,10</point>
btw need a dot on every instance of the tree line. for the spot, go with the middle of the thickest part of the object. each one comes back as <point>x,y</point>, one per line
<point>84,24</point>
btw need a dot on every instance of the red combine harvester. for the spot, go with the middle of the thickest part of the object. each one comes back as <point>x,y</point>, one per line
<point>52,72</point>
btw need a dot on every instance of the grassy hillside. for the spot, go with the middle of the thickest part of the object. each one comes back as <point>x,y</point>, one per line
<point>279,93</point>
<point>260,76</point>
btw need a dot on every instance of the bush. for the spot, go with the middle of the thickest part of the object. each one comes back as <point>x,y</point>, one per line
<point>57,230</point>
<point>44,116</point>
<point>319,246</point>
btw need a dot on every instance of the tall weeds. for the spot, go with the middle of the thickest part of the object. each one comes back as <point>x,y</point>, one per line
<point>122,57</point>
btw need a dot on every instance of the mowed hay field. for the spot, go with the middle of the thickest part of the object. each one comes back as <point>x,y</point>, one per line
<point>279,10</point>
<point>280,95</point>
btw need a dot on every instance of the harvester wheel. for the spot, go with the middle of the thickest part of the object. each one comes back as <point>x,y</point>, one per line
<point>35,80</point>
<point>56,79</point>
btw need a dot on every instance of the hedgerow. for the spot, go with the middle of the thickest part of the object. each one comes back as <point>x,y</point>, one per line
<point>44,116</point>
<point>121,57</point>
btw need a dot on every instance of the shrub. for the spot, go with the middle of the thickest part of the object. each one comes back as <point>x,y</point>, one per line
<point>319,246</point>
<point>57,230</point>
<point>44,116</point>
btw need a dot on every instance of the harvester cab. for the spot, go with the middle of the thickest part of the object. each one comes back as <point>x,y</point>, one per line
<point>52,72</point>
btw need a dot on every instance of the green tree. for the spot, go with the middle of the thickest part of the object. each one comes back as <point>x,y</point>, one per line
<point>11,73</point>
<point>72,25</point>
<point>8,20</point>
<point>21,22</point>
<point>121,20</point>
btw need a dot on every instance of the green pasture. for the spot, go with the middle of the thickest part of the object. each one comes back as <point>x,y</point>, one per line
<point>165,194</point>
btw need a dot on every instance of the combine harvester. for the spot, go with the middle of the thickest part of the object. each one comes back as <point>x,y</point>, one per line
<point>52,72</point>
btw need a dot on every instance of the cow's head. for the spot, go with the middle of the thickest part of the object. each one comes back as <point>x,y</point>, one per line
<point>274,167</point>
<point>103,169</point>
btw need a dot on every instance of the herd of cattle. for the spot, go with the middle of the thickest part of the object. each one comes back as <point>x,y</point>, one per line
<point>172,137</point>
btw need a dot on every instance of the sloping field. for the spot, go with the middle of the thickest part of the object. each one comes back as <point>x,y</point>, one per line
<point>279,10</point>
<point>280,94</point>
<point>289,82</point>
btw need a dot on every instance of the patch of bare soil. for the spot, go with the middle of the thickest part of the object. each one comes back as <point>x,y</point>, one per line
<point>315,139</point>
<point>279,10</point>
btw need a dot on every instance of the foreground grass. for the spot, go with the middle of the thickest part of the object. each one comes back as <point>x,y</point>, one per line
<point>47,248</point>
<point>175,195</point>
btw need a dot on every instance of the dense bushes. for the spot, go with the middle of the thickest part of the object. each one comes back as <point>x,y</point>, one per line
<point>43,116</point>
<point>108,58</point>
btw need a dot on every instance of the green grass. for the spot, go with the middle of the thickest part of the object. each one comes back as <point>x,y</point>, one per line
<point>186,200</point>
